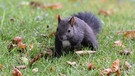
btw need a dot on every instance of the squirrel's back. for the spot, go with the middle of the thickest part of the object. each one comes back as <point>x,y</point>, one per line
<point>91,20</point>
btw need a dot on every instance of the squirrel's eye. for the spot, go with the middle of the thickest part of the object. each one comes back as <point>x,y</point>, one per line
<point>68,31</point>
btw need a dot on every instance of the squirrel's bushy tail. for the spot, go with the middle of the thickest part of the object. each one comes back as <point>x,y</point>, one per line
<point>91,20</point>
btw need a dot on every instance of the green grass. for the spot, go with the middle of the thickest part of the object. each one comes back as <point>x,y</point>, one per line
<point>26,27</point>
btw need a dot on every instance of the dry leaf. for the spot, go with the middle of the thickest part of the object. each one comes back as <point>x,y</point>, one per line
<point>16,40</point>
<point>35,59</point>
<point>47,52</point>
<point>128,34</point>
<point>62,74</point>
<point>16,72</point>
<point>35,70</point>
<point>115,65</point>
<point>52,68</point>
<point>84,52</point>
<point>21,67</point>
<point>53,6</point>
<point>126,52</point>
<point>127,65</point>
<point>105,12</point>
<point>118,43</point>
<point>31,46</point>
<point>117,73</point>
<point>21,46</point>
<point>52,34</point>
<point>72,63</point>
<point>35,4</point>
<point>90,66</point>
<point>106,72</point>
<point>1,67</point>
<point>11,46</point>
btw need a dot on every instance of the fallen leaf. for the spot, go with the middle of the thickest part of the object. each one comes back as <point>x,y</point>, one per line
<point>90,66</point>
<point>56,16</point>
<point>35,70</point>
<point>47,52</point>
<point>11,46</point>
<point>21,46</point>
<point>84,52</point>
<point>35,4</point>
<point>106,72</point>
<point>130,34</point>
<point>31,46</point>
<point>52,68</point>
<point>34,59</point>
<point>72,63</point>
<point>43,35</point>
<point>117,73</point>
<point>62,74</point>
<point>52,34</point>
<point>127,65</point>
<point>21,67</point>
<point>118,43</point>
<point>16,40</point>
<point>16,72</point>
<point>115,65</point>
<point>1,66</point>
<point>126,52</point>
<point>105,12</point>
<point>53,6</point>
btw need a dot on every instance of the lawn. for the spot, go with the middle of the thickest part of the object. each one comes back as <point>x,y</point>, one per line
<point>32,23</point>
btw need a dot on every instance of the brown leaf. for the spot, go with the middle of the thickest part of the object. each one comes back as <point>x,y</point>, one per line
<point>11,46</point>
<point>35,70</point>
<point>35,4</point>
<point>35,59</point>
<point>72,63</point>
<point>115,65</point>
<point>118,43</point>
<point>126,52</point>
<point>21,67</point>
<point>90,66</point>
<point>52,68</point>
<point>1,66</point>
<point>47,52</point>
<point>52,34</point>
<point>106,72</point>
<point>105,12</point>
<point>16,72</point>
<point>16,40</point>
<point>128,34</point>
<point>53,6</point>
<point>84,52</point>
<point>127,65</point>
<point>31,46</point>
<point>117,73</point>
<point>21,46</point>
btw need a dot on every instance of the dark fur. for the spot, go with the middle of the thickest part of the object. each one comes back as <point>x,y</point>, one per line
<point>83,29</point>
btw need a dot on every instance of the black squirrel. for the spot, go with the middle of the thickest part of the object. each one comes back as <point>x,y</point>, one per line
<point>78,29</point>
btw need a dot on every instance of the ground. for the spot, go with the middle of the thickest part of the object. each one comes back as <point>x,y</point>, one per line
<point>18,18</point>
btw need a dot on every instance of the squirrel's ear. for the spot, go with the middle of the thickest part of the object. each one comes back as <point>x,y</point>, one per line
<point>59,19</point>
<point>71,21</point>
